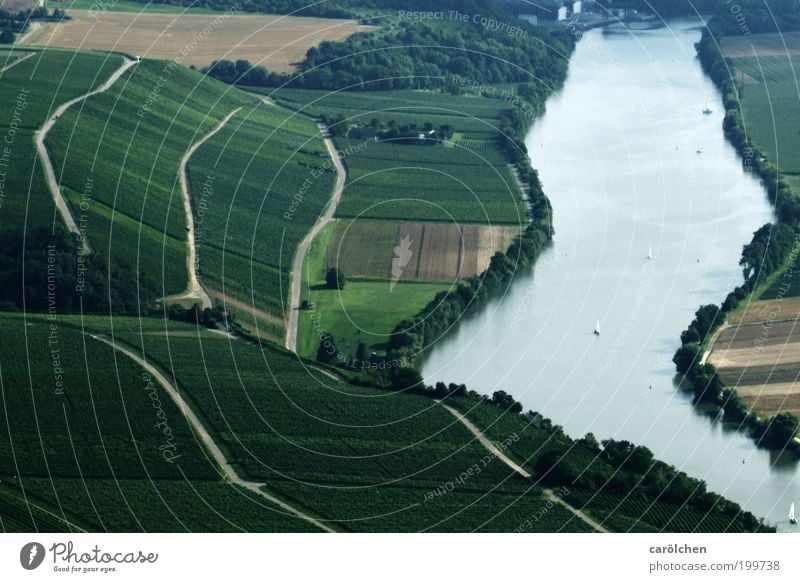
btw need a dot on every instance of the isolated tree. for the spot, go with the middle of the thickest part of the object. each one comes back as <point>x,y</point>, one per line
<point>334,279</point>
<point>327,351</point>
<point>361,352</point>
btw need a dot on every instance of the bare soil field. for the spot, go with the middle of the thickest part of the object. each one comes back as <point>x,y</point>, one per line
<point>751,375</point>
<point>762,359</point>
<point>276,42</point>
<point>437,252</point>
<point>784,309</point>
<point>771,399</point>
<point>19,5</point>
<point>763,45</point>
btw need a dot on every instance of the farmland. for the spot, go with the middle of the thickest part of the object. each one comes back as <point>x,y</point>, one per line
<point>40,84</point>
<point>122,150</point>
<point>439,252</point>
<point>257,187</point>
<point>364,311</point>
<point>83,441</point>
<point>360,458</point>
<point>277,42</point>
<point>448,203</point>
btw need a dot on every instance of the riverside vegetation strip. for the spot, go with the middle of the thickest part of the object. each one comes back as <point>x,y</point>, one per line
<point>756,90</point>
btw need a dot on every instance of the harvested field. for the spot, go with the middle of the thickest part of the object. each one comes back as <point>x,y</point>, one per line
<point>436,252</point>
<point>751,375</point>
<point>277,42</point>
<point>777,333</point>
<point>764,45</point>
<point>784,309</point>
<point>767,400</point>
<point>761,360</point>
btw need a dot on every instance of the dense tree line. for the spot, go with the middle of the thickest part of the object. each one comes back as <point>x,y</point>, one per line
<point>41,272</point>
<point>417,55</point>
<point>12,24</point>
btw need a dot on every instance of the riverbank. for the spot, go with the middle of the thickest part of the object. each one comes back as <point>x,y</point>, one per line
<point>744,376</point>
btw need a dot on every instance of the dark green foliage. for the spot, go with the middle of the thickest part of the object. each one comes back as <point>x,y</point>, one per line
<point>335,279</point>
<point>777,432</point>
<point>505,401</point>
<point>327,352</point>
<point>685,357</point>
<point>621,485</point>
<point>414,55</point>
<point>53,279</point>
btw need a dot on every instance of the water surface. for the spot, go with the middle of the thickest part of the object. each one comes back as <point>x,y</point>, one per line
<point>617,153</point>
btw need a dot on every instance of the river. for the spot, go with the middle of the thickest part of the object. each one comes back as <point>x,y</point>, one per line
<point>629,162</point>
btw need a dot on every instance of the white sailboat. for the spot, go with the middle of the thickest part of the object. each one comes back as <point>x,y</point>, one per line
<point>792,518</point>
<point>597,329</point>
<point>649,253</point>
<point>707,109</point>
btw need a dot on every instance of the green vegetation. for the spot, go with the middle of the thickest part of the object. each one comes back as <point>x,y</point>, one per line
<point>124,147</point>
<point>133,6</point>
<point>621,485</point>
<point>92,438</point>
<point>257,188</point>
<point>365,311</point>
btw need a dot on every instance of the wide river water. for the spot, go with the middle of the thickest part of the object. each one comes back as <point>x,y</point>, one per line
<point>617,153</point>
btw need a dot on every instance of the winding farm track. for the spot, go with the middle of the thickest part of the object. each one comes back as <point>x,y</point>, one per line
<point>302,248</point>
<point>41,134</point>
<point>195,289</point>
<point>200,430</point>
<point>15,62</point>
<point>490,446</point>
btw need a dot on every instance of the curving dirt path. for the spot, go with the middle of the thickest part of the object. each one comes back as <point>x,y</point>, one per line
<point>302,248</point>
<point>15,62</point>
<point>39,138</point>
<point>489,446</point>
<point>200,430</point>
<point>194,290</point>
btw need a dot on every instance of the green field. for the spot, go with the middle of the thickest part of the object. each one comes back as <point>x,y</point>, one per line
<point>261,187</point>
<point>473,116</point>
<point>80,439</point>
<point>41,84</point>
<point>124,147</point>
<point>364,311</point>
<point>129,6</point>
<point>364,459</point>
<point>466,180</point>
<point>772,120</point>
